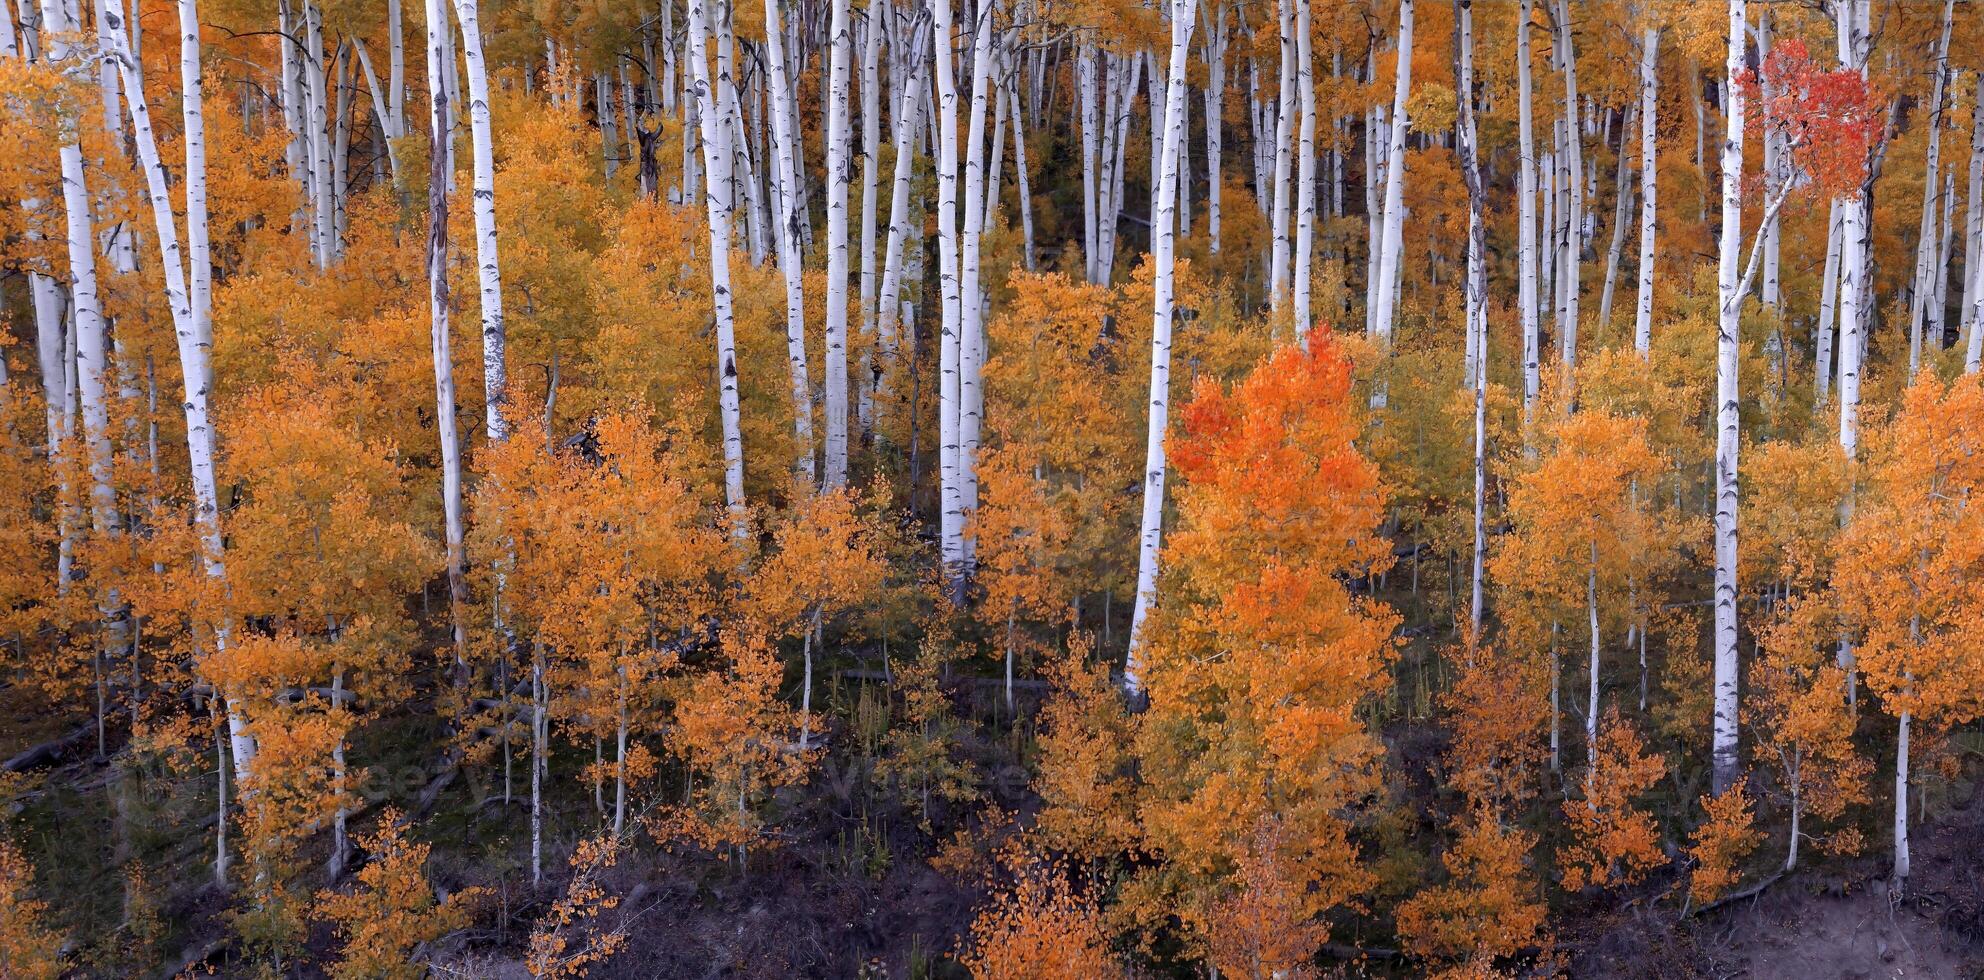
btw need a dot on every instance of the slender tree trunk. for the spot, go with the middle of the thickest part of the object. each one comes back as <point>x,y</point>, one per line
<point>1572,243</point>
<point>906,117</point>
<point>1215,111</point>
<point>1901,800</point>
<point>1305,170</point>
<point>1927,234</point>
<point>871,150</point>
<point>495,372</point>
<point>1649,185</point>
<point>779,94</point>
<point>1973,236</point>
<point>1726,761</point>
<point>439,311</point>
<point>1828,297</point>
<point>1163,261</point>
<point>951,522</point>
<point>1468,139</point>
<point>1622,206</point>
<point>971,292</point>
<point>1526,214</point>
<point>840,55</point>
<point>718,200</point>
<point>1284,148</point>
<point>1854,258</point>
<point>1393,246</point>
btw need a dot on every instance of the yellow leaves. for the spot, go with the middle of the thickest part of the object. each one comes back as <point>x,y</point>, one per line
<point>1258,657</point>
<point>1910,579</point>
<point>1725,837</point>
<point>1497,709</point>
<point>1263,928</point>
<point>392,909</point>
<point>1615,842</point>
<point>738,740</point>
<point>1084,777</point>
<point>572,936</point>
<point>1492,906</point>
<point>1038,926</point>
<point>825,558</point>
<point>28,948</point>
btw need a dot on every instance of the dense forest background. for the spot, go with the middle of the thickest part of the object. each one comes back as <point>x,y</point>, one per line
<point>1014,488</point>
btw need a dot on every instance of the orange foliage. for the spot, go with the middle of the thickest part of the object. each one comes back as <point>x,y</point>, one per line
<point>1726,836</point>
<point>28,949</point>
<point>1490,908</point>
<point>393,909</point>
<point>1614,842</point>
<point>1037,926</point>
<point>1259,657</point>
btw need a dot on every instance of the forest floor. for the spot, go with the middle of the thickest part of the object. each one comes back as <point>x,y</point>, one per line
<point>1836,921</point>
<point>850,889</point>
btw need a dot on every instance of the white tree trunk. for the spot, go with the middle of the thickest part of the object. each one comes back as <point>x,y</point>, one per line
<point>1163,260</point>
<point>718,200</point>
<point>495,371</point>
<point>1649,185</point>
<point>841,53</point>
<point>1305,170</point>
<point>439,313</point>
<point>1528,270</point>
<point>1573,223</point>
<point>1726,761</point>
<point>871,151</point>
<point>1284,148</point>
<point>779,94</point>
<point>1477,296</point>
<point>1828,298</point>
<point>1901,800</point>
<point>1215,112</point>
<point>971,298</point>
<point>1392,248</point>
<point>1928,233</point>
<point>951,520</point>
<point>1854,239</point>
<point>1973,236</point>
<point>906,117</point>
<point>191,326</point>
<point>1622,204</point>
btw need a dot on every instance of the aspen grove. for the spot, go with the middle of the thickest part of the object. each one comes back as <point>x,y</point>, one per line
<point>991,488</point>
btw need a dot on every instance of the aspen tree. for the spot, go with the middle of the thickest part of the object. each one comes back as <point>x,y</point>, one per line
<point>1526,216</point>
<point>840,46</point>
<point>1162,313</point>
<point>1726,762</point>
<point>495,372</point>
<point>950,396</point>
<point>871,151</point>
<point>1571,244</point>
<point>1649,182</point>
<point>1392,246</point>
<point>786,172</point>
<point>712,100</point>
<point>1305,170</point>
<point>439,310</point>
<point>1284,148</point>
<point>1467,138</point>
<point>1926,246</point>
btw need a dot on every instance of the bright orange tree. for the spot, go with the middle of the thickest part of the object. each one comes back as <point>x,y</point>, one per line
<point>28,948</point>
<point>1910,578</point>
<point>1259,657</point>
<point>392,908</point>
<point>1613,842</point>
<point>1036,926</point>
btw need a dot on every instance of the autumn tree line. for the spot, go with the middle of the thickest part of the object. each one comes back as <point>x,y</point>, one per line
<point>635,409</point>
